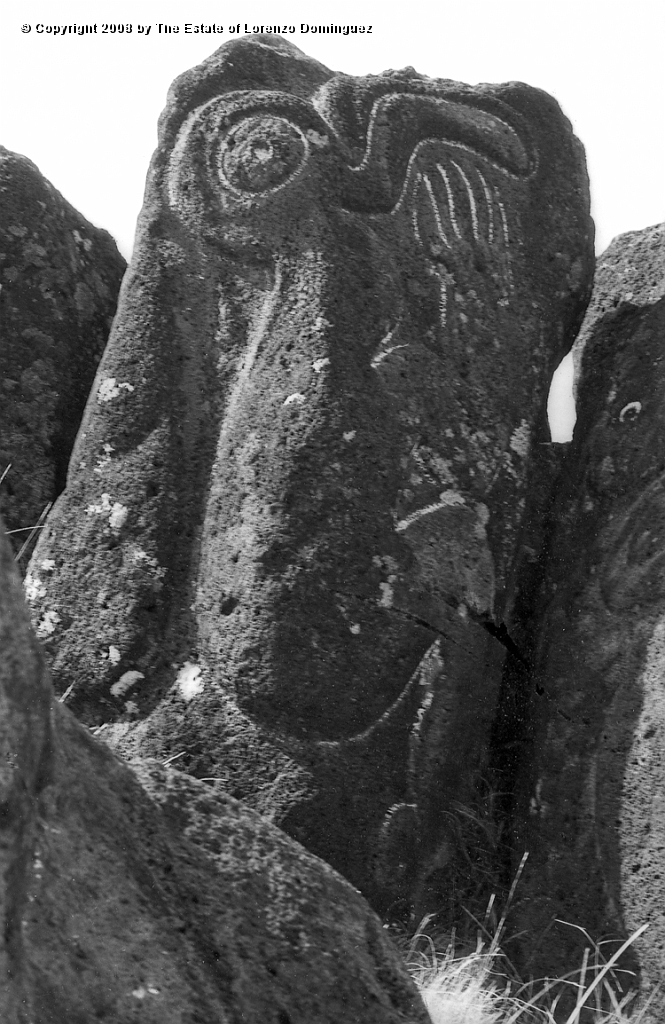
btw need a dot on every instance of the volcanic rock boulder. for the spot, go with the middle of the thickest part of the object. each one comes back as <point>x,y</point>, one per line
<point>591,793</point>
<point>182,909</point>
<point>285,551</point>
<point>59,278</point>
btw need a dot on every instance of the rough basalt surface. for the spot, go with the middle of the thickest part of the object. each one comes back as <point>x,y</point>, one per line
<point>59,279</point>
<point>286,549</point>
<point>590,796</point>
<point>168,903</point>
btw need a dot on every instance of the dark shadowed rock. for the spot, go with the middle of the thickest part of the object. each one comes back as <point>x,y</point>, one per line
<point>59,283</point>
<point>591,794</point>
<point>186,908</point>
<point>285,552</point>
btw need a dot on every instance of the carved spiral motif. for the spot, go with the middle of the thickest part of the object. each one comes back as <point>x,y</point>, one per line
<point>261,154</point>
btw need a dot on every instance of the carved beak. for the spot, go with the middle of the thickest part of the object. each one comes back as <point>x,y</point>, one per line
<point>400,122</point>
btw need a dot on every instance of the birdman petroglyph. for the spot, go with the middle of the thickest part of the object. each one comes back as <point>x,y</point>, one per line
<point>303,467</point>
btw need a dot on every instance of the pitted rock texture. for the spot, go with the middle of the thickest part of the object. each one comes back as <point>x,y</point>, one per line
<point>59,279</point>
<point>294,503</point>
<point>183,908</point>
<point>590,800</point>
<point>630,273</point>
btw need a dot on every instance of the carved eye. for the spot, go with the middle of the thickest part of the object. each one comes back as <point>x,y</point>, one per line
<point>260,154</point>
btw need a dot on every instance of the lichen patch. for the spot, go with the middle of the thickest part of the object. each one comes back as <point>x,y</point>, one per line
<point>109,389</point>
<point>117,512</point>
<point>189,680</point>
<point>47,624</point>
<point>33,588</point>
<point>520,441</point>
<point>125,683</point>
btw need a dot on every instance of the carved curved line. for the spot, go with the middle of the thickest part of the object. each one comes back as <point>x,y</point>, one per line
<point>443,301</point>
<point>504,219</point>
<point>415,155</point>
<point>268,191</point>
<point>387,718</point>
<point>402,122</point>
<point>490,207</point>
<point>380,356</point>
<point>472,199</point>
<point>414,209</point>
<point>450,499</point>
<point>256,336</point>
<point>219,115</point>
<point>435,210</point>
<point>451,199</point>
<point>357,101</point>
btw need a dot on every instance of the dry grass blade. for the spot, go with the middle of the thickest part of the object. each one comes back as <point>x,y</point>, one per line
<point>33,530</point>
<point>457,991</point>
<point>575,1015</point>
<point>483,987</point>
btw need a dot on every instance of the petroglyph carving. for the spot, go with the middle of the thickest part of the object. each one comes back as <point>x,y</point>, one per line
<point>329,358</point>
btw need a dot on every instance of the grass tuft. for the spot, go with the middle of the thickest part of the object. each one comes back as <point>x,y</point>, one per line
<point>483,987</point>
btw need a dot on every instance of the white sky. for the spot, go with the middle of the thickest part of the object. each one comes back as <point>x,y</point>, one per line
<point>85,108</point>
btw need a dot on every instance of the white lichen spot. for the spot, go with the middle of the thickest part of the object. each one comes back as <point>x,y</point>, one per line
<point>48,565</point>
<point>109,388</point>
<point>131,707</point>
<point>142,558</point>
<point>296,399</point>
<point>47,624</point>
<point>104,460</point>
<point>630,411</point>
<point>480,528</point>
<point>443,469</point>
<point>102,508</point>
<point>520,442</point>
<point>85,242</point>
<point>355,628</point>
<point>125,683</point>
<point>349,435</point>
<point>114,655</point>
<point>189,680</point>
<point>386,562</point>
<point>118,516</point>
<point>483,513</point>
<point>33,587</point>
<point>117,513</point>
<point>387,593</point>
<point>319,364</point>
<point>316,138</point>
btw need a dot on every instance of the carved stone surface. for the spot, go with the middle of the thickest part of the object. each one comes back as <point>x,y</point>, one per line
<point>59,279</point>
<point>591,795</point>
<point>285,552</point>
<point>185,908</point>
